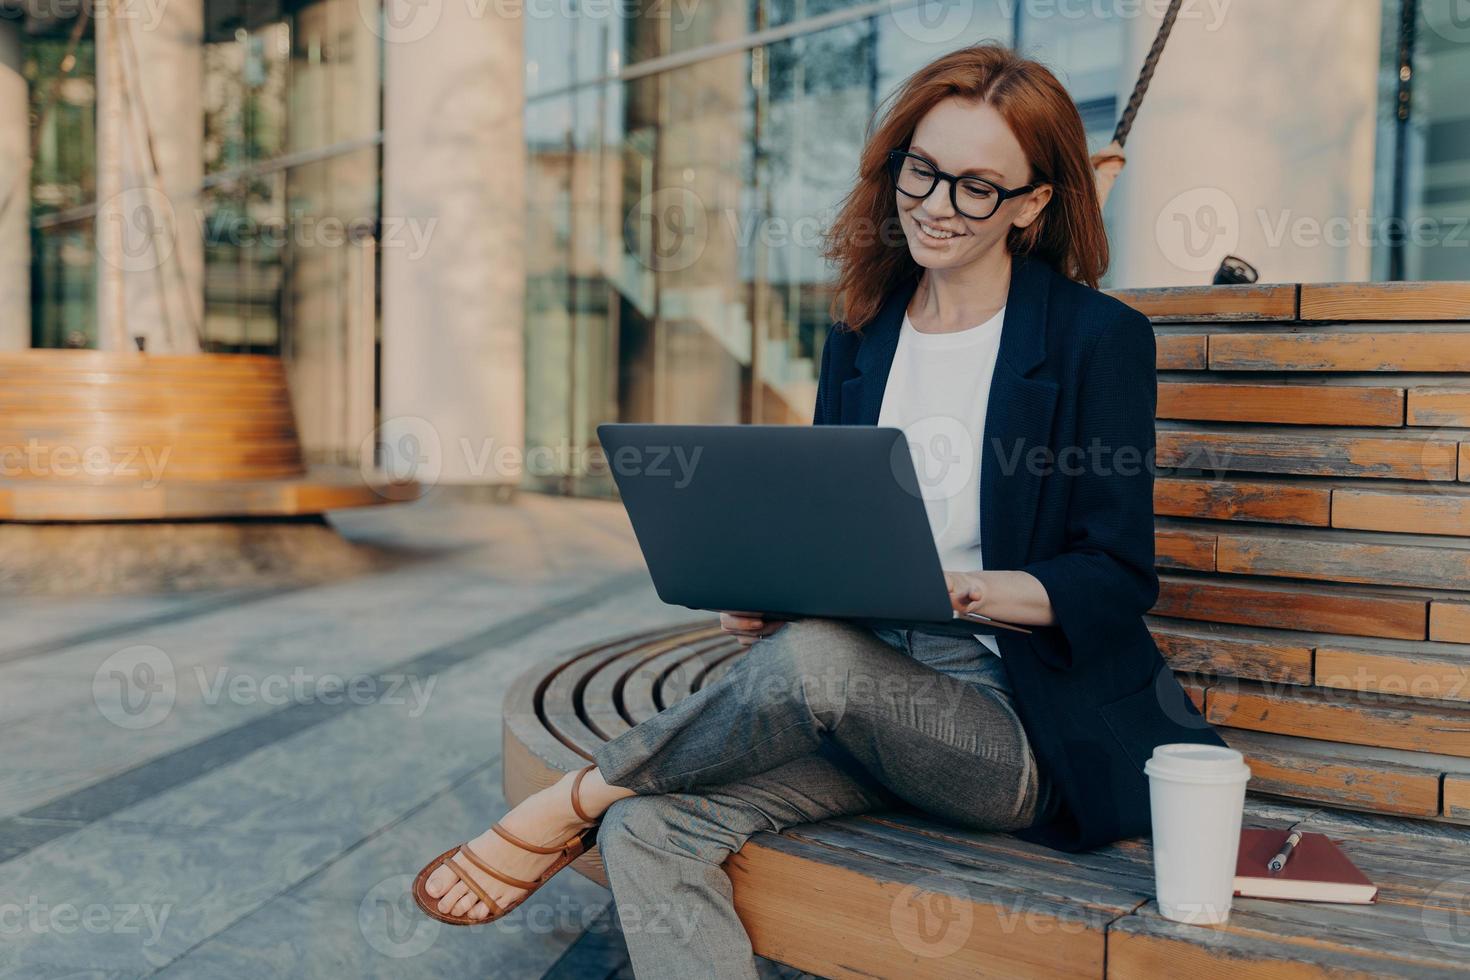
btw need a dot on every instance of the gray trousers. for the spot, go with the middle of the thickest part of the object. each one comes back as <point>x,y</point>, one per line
<point>822,719</point>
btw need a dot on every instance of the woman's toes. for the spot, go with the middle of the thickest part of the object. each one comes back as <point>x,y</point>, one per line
<point>450,900</point>
<point>465,904</point>
<point>480,911</point>
<point>439,882</point>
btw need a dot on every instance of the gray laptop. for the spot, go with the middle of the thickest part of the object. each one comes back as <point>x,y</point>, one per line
<point>790,521</point>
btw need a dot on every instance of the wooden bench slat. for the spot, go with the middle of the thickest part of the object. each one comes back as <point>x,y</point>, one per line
<point>682,681</point>
<point>1290,404</point>
<point>1336,611</point>
<point>1236,651</point>
<point>1273,501</point>
<point>1434,673</point>
<point>1146,946</point>
<point>1440,510</point>
<point>1181,351</point>
<point>1457,798</point>
<point>1325,453</point>
<point>1332,558</point>
<point>1182,549</point>
<point>1360,718</point>
<point>1449,621</point>
<point>802,908</point>
<point>1190,304</point>
<point>1106,890</point>
<point>638,694</point>
<point>1401,301</point>
<point>1311,769</point>
<point>1387,350</point>
<point>1438,405</point>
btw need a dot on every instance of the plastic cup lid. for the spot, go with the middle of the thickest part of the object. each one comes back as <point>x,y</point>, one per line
<point>1189,762</point>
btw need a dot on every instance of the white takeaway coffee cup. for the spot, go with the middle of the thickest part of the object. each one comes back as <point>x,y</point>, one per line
<point>1196,796</point>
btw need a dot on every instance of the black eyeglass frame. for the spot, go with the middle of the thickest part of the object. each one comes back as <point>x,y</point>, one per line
<point>1002,194</point>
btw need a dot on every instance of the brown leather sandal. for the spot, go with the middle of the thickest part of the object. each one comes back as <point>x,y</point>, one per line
<point>569,850</point>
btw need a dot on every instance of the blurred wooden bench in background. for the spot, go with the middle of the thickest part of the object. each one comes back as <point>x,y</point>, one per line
<point>124,471</point>
<point>1313,541</point>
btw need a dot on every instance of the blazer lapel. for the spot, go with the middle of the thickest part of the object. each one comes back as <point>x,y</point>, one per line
<point>1018,418</point>
<point>862,394</point>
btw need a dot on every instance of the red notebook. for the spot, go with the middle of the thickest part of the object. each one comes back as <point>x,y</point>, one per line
<point>1317,871</point>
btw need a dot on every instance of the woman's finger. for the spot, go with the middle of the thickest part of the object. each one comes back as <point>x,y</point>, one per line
<point>733,622</point>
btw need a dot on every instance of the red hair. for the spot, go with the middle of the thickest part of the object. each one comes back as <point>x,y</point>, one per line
<point>866,241</point>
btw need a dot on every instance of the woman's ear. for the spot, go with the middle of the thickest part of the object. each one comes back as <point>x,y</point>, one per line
<point>1031,208</point>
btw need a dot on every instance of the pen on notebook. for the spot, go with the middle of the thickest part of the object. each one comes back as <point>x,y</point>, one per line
<point>1292,840</point>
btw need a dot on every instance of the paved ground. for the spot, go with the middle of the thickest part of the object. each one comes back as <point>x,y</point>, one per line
<point>186,790</point>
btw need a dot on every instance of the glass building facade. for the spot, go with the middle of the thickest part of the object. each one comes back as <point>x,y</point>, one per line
<point>680,176</point>
<point>292,126</point>
<point>682,163</point>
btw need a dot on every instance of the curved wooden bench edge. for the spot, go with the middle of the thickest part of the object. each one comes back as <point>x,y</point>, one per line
<point>317,492</point>
<point>532,756</point>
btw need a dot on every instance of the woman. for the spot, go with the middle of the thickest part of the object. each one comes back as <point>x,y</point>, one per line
<point>1029,399</point>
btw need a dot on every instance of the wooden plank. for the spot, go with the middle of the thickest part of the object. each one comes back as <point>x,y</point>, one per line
<point>1203,304</point>
<point>1314,453</point>
<point>319,491</point>
<point>1327,772</point>
<point>1194,550</point>
<point>680,682</point>
<point>1243,500</point>
<point>1384,350</point>
<point>1299,608</point>
<point>1465,462</point>
<point>1442,675</point>
<point>1449,622</point>
<point>1181,351</point>
<point>1288,404</point>
<point>1386,301</point>
<point>1438,405</point>
<point>1414,511</point>
<point>640,697</point>
<point>1457,798</point>
<point>1146,946</point>
<point>1196,692</point>
<point>1112,885</point>
<point>1326,560</point>
<point>865,917</point>
<point>1362,719</point>
<point>1231,651</point>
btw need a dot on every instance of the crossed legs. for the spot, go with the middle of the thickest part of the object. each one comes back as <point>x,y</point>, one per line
<point>822,719</point>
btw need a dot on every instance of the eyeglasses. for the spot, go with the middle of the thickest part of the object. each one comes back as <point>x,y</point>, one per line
<point>973,197</point>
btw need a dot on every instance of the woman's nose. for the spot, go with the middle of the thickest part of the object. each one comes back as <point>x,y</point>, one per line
<point>938,203</point>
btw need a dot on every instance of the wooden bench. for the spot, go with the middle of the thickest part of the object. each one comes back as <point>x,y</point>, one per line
<point>148,472</point>
<point>1316,604</point>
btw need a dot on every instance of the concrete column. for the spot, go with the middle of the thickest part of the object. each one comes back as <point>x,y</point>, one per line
<point>453,268</point>
<point>15,193</point>
<point>1256,139</point>
<point>150,268</point>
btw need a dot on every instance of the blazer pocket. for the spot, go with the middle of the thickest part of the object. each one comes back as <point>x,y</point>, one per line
<point>1138,723</point>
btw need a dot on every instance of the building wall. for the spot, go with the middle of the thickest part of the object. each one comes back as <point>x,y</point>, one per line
<point>1257,140</point>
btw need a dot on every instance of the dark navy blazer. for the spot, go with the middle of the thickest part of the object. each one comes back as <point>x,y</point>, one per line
<point>1066,490</point>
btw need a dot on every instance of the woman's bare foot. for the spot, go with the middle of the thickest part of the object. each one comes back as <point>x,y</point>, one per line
<point>544,818</point>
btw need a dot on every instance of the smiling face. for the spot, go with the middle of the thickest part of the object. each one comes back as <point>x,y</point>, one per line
<point>966,138</point>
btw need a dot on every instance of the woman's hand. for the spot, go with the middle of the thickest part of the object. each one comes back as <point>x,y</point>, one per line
<point>967,591</point>
<point>1009,596</point>
<point>747,627</point>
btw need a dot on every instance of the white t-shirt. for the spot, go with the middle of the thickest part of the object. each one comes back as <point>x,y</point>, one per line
<point>937,393</point>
